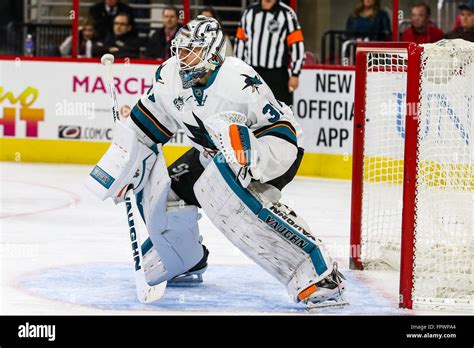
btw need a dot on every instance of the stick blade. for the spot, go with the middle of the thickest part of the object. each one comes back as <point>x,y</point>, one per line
<point>149,293</point>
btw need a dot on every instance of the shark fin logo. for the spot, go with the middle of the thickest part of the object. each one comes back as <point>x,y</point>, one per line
<point>253,82</point>
<point>158,74</point>
<point>200,135</point>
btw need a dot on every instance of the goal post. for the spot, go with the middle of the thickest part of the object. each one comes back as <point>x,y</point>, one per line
<point>363,52</point>
<point>412,202</point>
<point>413,99</point>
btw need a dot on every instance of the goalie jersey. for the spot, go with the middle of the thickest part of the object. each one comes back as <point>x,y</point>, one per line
<point>234,86</point>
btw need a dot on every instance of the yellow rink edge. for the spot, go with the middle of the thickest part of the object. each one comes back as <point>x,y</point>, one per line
<point>89,152</point>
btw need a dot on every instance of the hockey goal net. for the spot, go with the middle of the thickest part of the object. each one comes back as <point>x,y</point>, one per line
<point>413,169</point>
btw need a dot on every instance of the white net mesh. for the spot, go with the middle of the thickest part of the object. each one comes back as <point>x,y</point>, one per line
<point>444,242</point>
<point>383,159</point>
<point>444,232</point>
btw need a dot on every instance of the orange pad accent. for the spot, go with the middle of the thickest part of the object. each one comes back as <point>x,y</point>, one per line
<point>237,145</point>
<point>121,191</point>
<point>241,34</point>
<point>295,36</point>
<point>307,292</point>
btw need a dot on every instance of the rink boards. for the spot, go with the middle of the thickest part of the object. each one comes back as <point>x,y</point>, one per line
<point>58,111</point>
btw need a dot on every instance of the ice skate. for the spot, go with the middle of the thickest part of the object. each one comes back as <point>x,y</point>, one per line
<point>326,293</point>
<point>194,275</point>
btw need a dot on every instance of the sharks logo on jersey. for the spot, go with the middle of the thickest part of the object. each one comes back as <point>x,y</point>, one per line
<point>158,74</point>
<point>151,94</point>
<point>233,87</point>
<point>200,134</point>
<point>253,82</point>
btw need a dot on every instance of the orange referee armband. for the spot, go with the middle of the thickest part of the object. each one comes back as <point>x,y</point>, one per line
<point>293,37</point>
<point>241,34</point>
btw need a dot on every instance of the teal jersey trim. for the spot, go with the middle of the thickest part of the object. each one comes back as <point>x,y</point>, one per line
<point>198,91</point>
<point>280,130</point>
<point>148,126</point>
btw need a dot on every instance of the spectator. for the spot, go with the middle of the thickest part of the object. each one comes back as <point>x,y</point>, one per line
<point>457,23</point>
<point>466,30</point>
<point>160,42</point>
<point>268,32</point>
<point>124,43</point>
<point>86,33</point>
<point>369,21</point>
<point>210,12</point>
<point>103,14</point>
<point>422,30</point>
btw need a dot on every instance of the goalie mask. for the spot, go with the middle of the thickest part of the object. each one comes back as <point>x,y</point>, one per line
<point>198,47</point>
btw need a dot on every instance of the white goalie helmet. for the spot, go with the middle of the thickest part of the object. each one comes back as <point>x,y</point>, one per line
<point>198,47</point>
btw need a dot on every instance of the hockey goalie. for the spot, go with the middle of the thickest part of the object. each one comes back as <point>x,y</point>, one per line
<point>247,147</point>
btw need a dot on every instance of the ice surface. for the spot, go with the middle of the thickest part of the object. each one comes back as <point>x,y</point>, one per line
<point>226,289</point>
<point>62,251</point>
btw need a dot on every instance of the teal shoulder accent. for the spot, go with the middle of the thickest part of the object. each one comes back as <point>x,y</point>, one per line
<point>210,81</point>
<point>150,126</point>
<point>280,130</point>
<point>158,73</point>
<point>212,78</point>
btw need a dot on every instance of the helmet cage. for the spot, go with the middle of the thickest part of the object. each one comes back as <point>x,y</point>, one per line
<point>198,48</point>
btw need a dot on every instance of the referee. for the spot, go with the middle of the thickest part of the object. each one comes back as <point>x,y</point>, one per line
<point>268,32</point>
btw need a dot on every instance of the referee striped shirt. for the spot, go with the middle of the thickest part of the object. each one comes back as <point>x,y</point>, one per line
<point>265,38</point>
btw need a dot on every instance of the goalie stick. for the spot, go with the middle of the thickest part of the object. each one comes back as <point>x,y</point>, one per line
<point>146,293</point>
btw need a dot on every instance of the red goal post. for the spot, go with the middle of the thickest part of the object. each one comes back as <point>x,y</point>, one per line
<point>394,192</point>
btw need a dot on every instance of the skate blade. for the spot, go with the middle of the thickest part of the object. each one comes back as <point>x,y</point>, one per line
<point>334,303</point>
<point>186,279</point>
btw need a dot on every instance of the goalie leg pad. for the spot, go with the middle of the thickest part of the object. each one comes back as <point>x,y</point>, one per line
<point>172,226</point>
<point>277,241</point>
<point>178,245</point>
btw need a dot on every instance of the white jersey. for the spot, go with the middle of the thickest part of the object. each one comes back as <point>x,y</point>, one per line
<point>235,86</point>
